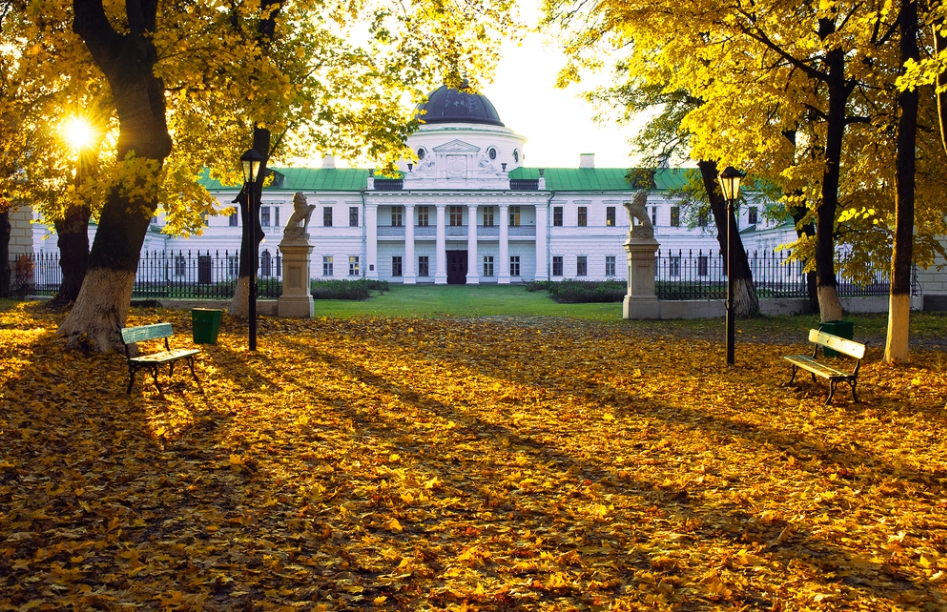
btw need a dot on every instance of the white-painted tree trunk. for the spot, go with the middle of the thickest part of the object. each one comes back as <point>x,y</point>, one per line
<point>830,307</point>
<point>899,321</point>
<point>100,310</point>
<point>240,304</point>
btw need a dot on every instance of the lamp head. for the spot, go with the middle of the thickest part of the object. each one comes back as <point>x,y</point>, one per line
<point>251,161</point>
<point>730,183</point>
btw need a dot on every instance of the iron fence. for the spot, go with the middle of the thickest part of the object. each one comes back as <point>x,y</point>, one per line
<point>703,276</point>
<point>213,275</point>
<point>182,275</point>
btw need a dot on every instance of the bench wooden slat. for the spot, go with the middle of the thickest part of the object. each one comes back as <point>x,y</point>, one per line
<point>130,335</point>
<point>165,356</point>
<point>841,345</point>
<point>819,369</point>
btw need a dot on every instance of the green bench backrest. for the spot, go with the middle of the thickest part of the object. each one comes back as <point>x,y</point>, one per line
<point>846,347</point>
<point>131,335</point>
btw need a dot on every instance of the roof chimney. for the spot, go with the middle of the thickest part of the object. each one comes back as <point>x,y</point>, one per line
<point>328,161</point>
<point>586,160</point>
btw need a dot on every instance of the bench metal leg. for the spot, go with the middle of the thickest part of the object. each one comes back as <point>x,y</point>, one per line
<point>131,380</point>
<point>154,373</point>
<point>832,384</point>
<point>190,363</point>
<point>793,377</point>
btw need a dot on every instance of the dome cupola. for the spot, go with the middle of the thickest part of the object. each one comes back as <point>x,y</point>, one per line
<point>445,105</point>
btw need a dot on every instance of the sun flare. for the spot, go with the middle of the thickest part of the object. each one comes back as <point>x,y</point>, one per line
<point>78,133</point>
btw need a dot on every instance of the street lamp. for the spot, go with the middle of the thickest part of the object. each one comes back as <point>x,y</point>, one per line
<point>251,161</point>
<point>730,185</point>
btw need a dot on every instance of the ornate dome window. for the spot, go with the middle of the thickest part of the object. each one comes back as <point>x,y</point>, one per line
<point>421,153</point>
<point>492,153</point>
<point>516,155</point>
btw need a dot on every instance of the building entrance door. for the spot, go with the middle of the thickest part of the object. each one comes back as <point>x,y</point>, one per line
<point>456,267</point>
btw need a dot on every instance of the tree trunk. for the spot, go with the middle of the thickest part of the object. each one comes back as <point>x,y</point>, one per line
<point>5,229</point>
<point>745,301</point>
<point>73,239</point>
<point>940,45</point>
<point>127,60</point>
<point>899,308</point>
<point>830,308</point>
<point>798,214</point>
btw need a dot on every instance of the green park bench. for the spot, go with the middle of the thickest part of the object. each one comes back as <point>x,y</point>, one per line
<point>833,374</point>
<point>136,361</point>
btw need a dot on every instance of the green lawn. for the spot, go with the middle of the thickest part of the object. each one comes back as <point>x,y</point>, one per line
<point>465,301</point>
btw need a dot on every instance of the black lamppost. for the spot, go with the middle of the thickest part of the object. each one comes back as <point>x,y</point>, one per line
<point>251,161</point>
<point>730,185</point>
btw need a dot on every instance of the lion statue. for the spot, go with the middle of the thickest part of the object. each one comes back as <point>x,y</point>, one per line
<point>637,210</point>
<point>302,211</point>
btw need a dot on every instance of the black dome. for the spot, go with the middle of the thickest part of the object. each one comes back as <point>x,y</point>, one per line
<point>446,105</point>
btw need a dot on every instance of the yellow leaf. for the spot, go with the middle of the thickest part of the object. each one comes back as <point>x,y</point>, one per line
<point>395,526</point>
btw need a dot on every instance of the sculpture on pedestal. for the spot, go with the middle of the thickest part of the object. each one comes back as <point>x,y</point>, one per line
<point>296,298</point>
<point>641,301</point>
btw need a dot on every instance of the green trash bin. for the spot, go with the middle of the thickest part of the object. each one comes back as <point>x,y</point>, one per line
<point>842,329</point>
<point>206,323</point>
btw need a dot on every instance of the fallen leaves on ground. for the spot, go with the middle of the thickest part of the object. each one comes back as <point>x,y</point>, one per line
<point>464,465</point>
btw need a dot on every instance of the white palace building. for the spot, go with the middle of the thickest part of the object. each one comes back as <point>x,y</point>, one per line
<point>468,212</point>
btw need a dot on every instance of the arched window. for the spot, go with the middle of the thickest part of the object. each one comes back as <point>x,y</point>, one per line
<point>492,153</point>
<point>516,155</point>
<point>421,153</point>
<point>266,264</point>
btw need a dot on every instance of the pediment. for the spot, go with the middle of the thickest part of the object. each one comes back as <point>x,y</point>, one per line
<point>456,146</point>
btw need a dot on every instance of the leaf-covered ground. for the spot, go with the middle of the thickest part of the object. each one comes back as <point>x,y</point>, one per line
<point>459,464</point>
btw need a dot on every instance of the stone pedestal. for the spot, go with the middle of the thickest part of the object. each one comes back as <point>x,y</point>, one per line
<point>641,302</point>
<point>296,299</point>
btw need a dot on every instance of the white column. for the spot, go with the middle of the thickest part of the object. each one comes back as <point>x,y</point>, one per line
<point>371,242</point>
<point>440,245</point>
<point>472,277</point>
<point>542,248</point>
<point>504,277</point>
<point>409,276</point>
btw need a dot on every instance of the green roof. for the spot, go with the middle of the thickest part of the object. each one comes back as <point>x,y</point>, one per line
<point>599,179</point>
<point>557,179</point>
<point>307,179</point>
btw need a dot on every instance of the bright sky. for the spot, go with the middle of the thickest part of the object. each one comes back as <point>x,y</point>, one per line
<point>557,123</point>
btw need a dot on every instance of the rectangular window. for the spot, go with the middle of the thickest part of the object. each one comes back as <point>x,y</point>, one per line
<point>675,216</point>
<point>752,215</point>
<point>233,266</point>
<point>327,217</point>
<point>396,265</point>
<point>423,218</point>
<point>609,265</point>
<point>488,216</point>
<point>581,265</point>
<point>674,265</point>
<point>265,216</point>
<point>610,216</point>
<point>327,265</point>
<point>702,265</point>
<point>515,265</point>
<point>488,265</point>
<point>397,216</point>
<point>353,216</point>
<point>654,215</point>
<point>180,266</point>
<point>702,218</point>
<point>353,265</point>
<point>583,216</point>
<point>557,265</point>
<point>557,216</point>
<point>276,216</point>
<point>456,215</point>
<point>232,221</point>
<point>514,216</point>
<point>424,265</point>
<point>205,218</point>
